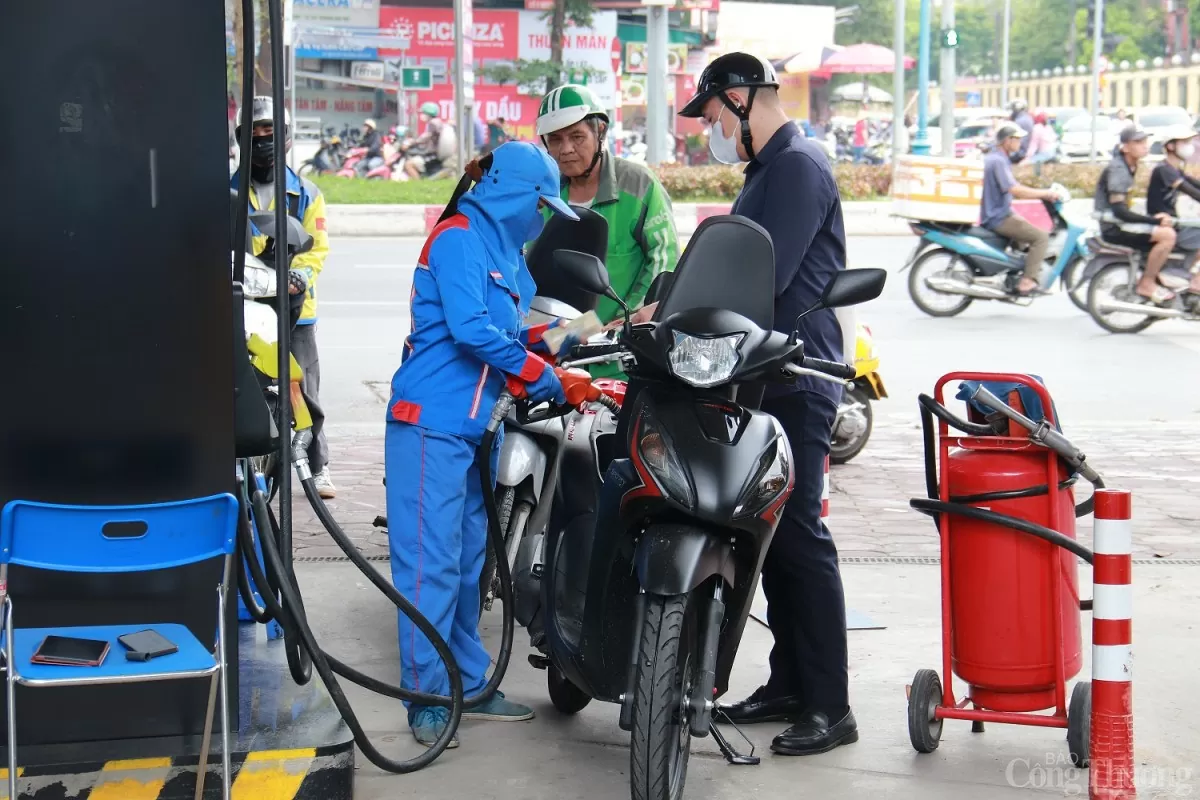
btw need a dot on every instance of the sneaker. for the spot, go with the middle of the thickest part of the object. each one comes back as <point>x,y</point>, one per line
<point>497,709</point>
<point>428,723</point>
<point>325,487</point>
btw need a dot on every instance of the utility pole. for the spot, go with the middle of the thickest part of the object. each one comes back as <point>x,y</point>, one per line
<point>656,79</point>
<point>920,145</point>
<point>898,98</point>
<point>1097,55</point>
<point>464,79</point>
<point>1004,56</point>
<point>948,78</point>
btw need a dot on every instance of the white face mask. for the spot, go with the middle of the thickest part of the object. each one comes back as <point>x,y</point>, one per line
<point>722,147</point>
<point>1185,151</point>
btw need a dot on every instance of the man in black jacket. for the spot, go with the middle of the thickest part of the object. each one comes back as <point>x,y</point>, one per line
<point>790,191</point>
<point>1121,225</point>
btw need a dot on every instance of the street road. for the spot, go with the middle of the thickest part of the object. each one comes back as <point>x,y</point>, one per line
<point>1131,402</point>
<point>1096,378</point>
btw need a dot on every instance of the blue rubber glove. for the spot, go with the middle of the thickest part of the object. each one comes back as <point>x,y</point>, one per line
<point>546,388</point>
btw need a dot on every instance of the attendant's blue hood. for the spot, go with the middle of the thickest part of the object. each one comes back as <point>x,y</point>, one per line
<point>504,206</point>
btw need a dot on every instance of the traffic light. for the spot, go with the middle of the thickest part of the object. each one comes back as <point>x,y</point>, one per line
<point>949,37</point>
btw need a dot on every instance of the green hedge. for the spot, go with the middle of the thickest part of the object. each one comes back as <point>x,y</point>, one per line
<point>711,184</point>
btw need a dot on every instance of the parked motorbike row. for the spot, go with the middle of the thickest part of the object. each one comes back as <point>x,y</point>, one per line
<point>636,517</point>
<point>954,264</point>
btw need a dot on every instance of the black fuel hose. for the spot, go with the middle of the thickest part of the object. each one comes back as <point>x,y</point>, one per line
<point>283,609</point>
<point>296,626</point>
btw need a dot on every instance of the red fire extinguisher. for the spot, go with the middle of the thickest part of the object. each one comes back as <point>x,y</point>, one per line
<point>1003,497</point>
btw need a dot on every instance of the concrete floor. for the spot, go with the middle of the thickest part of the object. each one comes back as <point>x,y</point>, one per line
<point>560,758</point>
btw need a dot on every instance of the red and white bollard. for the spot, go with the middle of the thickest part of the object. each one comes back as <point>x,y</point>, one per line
<point>825,492</point>
<point>1111,749</point>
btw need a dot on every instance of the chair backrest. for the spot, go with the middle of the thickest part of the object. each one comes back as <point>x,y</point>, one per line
<point>117,538</point>
<point>588,235</point>
<point>729,263</point>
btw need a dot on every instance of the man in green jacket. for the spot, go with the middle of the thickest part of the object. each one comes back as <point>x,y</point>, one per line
<point>641,224</point>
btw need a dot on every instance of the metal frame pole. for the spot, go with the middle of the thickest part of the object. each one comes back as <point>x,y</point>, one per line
<point>1004,54</point>
<point>1097,54</point>
<point>921,141</point>
<point>898,99</point>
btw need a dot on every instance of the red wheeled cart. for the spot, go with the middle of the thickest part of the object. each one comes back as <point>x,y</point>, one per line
<point>1001,491</point>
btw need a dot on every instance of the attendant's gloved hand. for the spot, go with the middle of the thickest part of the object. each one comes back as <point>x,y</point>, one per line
<point>546,388</point>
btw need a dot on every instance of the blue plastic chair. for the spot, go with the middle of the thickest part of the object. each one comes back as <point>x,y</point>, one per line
<point>118,539</point>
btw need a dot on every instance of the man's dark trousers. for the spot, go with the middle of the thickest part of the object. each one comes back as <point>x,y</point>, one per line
<point>304,348</point>
<point>806,607</point>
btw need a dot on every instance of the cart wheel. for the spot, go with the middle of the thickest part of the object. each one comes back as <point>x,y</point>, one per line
<point>977,726</point>
<point>1079,724</point>
<point>924,728</point>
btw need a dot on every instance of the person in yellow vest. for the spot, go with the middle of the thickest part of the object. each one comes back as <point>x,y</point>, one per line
<point>306,203</point>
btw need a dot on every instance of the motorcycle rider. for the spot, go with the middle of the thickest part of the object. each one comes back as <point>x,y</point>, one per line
<point>642,240</point>
<point>374,144</point>
<point>436,150</point>
<point>1023,120</point>
<point>471,290</point>
<point>1121,225</point>
<point>791,192</point>
<point>306,203</point>
<point>999,189</point>
<point>1166,183</point>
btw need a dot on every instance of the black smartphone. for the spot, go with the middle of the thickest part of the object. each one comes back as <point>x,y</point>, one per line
<point>147,644</point>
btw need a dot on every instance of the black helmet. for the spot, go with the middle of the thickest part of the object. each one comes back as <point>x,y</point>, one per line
<point>732,71</point>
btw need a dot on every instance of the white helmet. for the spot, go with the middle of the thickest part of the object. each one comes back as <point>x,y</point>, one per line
<point>1178,133</point>
<point>263,111</point>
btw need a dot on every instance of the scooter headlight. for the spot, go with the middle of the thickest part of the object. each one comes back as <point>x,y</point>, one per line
<point>658,454</point>
<point>770,480</point>
<point>259,280</point>
<point>702,361</point>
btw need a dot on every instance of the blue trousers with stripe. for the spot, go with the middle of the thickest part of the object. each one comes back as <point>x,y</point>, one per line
<point>437,528</point>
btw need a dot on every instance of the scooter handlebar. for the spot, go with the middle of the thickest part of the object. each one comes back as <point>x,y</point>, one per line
<point>834,368</point>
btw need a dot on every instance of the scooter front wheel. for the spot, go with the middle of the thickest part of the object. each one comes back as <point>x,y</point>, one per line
<point>668,666</point>
<point>936,303</point>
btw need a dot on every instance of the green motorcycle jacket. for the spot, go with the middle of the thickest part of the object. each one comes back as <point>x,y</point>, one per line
<point>641,237</point>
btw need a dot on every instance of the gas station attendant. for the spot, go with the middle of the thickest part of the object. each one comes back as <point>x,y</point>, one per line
<point>471,292</point>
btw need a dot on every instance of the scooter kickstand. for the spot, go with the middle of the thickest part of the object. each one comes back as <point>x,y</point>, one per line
<point>731,755</point>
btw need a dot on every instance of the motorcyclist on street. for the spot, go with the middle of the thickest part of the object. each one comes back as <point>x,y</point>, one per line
<point>434,151</point>
<point>642,241</point>
<point>1023,119</point>
<point>374,144</point>
<point>1167,182</point>
<point>306,203</point>
<point>471,291</point>
<point>1121,225</point>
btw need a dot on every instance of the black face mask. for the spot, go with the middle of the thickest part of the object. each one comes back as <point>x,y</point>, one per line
<point>262,159</point>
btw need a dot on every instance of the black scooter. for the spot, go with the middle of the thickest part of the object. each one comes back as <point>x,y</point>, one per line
<point>649,567</point>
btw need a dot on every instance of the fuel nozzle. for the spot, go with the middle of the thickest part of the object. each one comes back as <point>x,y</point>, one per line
<point>1042,433</point>
<point>300,444</point>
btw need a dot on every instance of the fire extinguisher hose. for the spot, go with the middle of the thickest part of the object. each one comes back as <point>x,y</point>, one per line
<point>958,505</point>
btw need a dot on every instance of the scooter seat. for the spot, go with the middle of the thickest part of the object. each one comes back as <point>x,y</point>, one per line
<point>988,236</point>
<point>1109,248</point>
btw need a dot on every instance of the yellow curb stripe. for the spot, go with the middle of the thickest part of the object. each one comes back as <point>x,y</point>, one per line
<point>4,781</point>
<point>273,774</point>
<point>110,786</point>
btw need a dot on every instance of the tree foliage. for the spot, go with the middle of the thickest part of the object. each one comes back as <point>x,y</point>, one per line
<point>1044,33</point>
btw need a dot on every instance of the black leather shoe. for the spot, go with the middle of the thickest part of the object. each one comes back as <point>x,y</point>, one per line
<point>758,708</point>
<point>813,734</point>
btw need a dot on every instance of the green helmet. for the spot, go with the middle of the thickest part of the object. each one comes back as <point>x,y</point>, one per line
<point>431,108</point>
<point>565,106</point>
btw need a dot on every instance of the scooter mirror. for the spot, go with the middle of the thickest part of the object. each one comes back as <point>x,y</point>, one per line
<point>584,270</point>
<point>853,286</point>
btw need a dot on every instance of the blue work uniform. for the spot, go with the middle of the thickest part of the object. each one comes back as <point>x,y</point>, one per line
<point>471,291</point>
<point>790,191</point>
